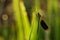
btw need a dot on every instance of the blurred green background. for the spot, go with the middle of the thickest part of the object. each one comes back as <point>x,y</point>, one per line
<point>18,20</point>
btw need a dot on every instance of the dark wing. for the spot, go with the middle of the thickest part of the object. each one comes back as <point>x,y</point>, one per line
<point>43,24</point>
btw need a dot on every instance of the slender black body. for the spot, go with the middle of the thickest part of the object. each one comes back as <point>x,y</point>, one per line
<point>43,24</point>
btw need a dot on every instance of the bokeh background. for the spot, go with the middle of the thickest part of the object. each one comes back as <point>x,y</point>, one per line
<point>17,23</point>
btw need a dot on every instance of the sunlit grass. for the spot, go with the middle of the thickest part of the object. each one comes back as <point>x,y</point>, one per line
<point>18,20</point>
<point>27,31</point>
<point>23,22</point>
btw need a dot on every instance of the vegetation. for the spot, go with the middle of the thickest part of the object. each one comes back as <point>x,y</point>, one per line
<point>19,20</point>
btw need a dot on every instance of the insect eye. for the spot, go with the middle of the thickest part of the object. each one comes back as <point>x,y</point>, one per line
<point>43,24</point>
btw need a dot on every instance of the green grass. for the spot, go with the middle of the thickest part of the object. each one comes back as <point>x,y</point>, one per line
<point>32,30</point>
